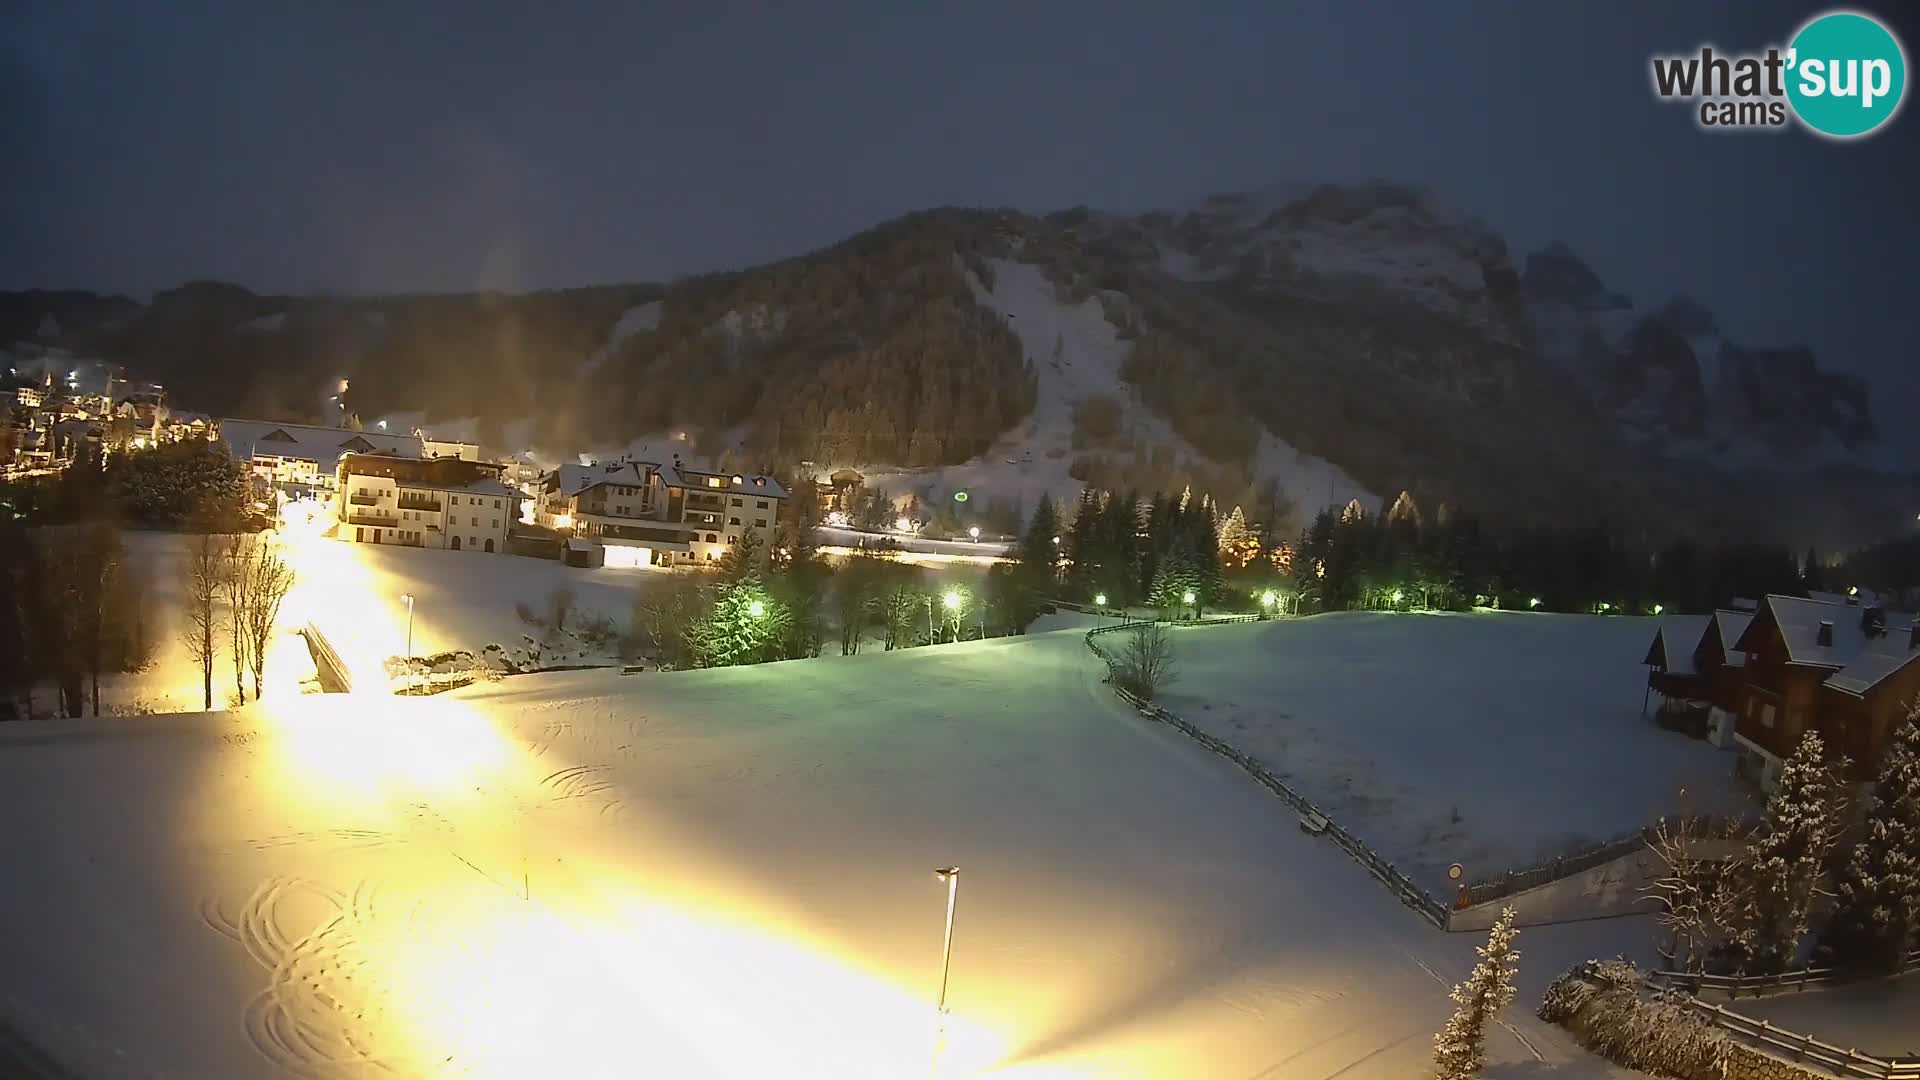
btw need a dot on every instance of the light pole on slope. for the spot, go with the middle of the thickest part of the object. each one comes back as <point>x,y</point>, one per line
<point>950,875</point>
<point>408,597</point>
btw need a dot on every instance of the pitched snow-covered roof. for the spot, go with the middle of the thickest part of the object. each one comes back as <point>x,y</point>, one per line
<point>756,484</point>
<point>1674,643</point>
<point>1882,657</point>
<point>574,479</point>
<point>1800,621</point>
<point>246,438</point>
<point>490,487</point>
<point>1730,625</point>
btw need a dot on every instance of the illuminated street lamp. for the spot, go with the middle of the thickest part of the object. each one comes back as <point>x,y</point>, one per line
<point>1534,603</point>
<point>973,531</point>
<point>756,608</point>
<point>1658,608</point>
<point>1398,596</point>
<point>952,599</point>
<point>1267,600</point>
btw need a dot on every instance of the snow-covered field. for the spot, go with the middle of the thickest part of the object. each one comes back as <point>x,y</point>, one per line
<point>712,874</point>
<point>1493,739</point>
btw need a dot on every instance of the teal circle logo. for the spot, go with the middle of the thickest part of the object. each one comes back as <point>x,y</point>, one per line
<point>1846,74</point>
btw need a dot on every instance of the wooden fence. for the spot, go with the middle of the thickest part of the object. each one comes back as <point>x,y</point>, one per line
<point>1842,1061</point>
<point>1423,904</point>
<point>1755,985</point>
<point>1514,881</point>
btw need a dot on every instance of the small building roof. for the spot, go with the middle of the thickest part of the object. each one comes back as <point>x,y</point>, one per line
<point>574,479</point>
<point>1799,621</point>
<point>1674,642</point>
<point>758,485</point>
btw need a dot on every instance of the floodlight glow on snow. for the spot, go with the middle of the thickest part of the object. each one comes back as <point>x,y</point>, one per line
<point>952,599</point>
<point>756,608</point>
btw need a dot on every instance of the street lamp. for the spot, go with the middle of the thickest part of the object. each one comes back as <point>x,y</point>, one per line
<point>950,875</point>
<point>952,599</point>
<point>973,531</point>
<point>756,608</point>
<point>1657,609</point>
<point>1398,596</point>
<point>1534,603</point>
<point>1268,599</point>
<point>408,597</point>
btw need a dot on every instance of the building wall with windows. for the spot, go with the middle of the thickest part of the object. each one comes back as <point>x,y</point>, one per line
<point>644,513</point>
<point>417,504</point>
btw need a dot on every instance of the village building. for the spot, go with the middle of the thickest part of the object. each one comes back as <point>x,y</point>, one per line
<point>448,503</point>
<point>643,513</point>
<point>301,460</point>
<point>1831,665</point>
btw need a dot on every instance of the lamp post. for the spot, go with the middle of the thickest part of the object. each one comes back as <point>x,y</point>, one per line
<point>952,602</point>
<point>1187,598</point>
<point>950,875</point>
<point>1100,601</point>
<point>1267,600</point>
<point>974,532</point>
<point>408,597</point>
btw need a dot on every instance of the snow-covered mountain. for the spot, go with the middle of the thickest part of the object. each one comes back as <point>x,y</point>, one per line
<point>1667,375</point>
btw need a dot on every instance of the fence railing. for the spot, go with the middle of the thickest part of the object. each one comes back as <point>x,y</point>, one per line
<point>1562,866</point>
<point>1754,985</point>
<point>1842,1060</point>
<point>1423,904</point>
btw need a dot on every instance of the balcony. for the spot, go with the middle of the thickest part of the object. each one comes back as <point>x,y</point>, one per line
<point>364,498</point>
<point>415,502</point>
<point>358,517</point>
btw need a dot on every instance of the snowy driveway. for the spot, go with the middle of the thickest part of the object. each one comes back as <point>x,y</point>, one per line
<point>712,874</point>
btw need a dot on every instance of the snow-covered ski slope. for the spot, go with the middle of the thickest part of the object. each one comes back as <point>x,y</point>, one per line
<point>711,874</point>
<point>1034,457</point>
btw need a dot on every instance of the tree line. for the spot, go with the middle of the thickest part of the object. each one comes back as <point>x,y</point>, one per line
<point>192,483</point>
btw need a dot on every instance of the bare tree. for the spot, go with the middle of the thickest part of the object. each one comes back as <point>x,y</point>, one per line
<point>99,563</point>
<point>1145,663</point>
<point>200,581</point>
<point>665,614</point>
<point>236,586</point>
<point>272,580</point>
<point>1698,892</point>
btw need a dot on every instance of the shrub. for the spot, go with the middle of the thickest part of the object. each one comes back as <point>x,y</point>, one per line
<point>1145,663</point>
<point>1600,1003</point>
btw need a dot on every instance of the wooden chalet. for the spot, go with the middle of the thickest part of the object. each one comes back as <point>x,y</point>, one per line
<point>1762,679</point>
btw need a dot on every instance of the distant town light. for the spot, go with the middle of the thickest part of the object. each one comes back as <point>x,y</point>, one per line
<point>1056,541</point>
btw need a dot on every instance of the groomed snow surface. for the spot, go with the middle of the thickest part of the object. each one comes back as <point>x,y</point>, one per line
<point>1494,740</point>
<point>717,874</point>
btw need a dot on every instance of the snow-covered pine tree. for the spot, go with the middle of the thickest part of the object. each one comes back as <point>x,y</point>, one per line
<point>1777,878</point>
<point>1175,577</point>
<point>745,626</point>
<point>1460,1048</point>
<point>742,560</point>
<point>1876,917</point>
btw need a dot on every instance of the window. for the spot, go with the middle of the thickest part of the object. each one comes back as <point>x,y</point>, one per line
<point>760,505</point>
<point>496,504</point>
<point>712,539</point>
<point>496,523</point>
<point>476,521</point>
<point>736,502</point>
<point>1766,716</point>
<point>759,523</point>
<point>733,521</point>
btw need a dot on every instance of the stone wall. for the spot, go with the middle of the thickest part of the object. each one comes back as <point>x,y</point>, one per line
<point>1746,1063</point>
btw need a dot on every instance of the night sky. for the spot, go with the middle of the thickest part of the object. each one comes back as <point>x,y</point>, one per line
<point>449,146</point>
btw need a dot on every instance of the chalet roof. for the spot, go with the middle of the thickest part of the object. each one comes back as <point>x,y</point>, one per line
<point>246,438</point>
<point>1882,658</point>
<point>1674,643</point>
<point>1730,625</point>
<point>1799,622</point>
